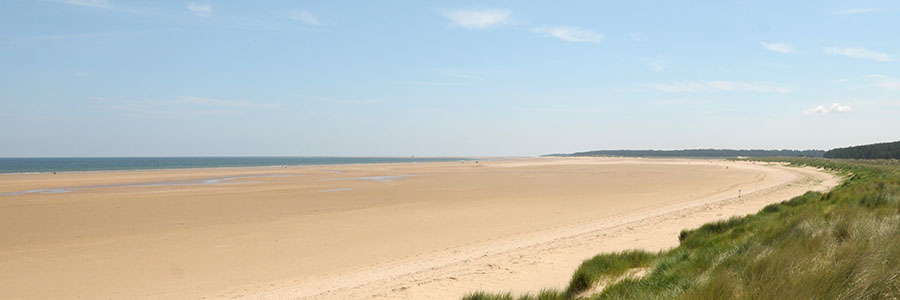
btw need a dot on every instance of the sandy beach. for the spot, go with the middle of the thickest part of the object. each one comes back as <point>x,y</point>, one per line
<point>385,231</point>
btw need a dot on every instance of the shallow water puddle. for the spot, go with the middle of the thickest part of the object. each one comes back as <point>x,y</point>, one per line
<point>208,181</point>
<point>382,178</point>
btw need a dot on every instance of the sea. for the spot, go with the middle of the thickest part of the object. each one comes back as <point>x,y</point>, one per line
<point>81,164</point>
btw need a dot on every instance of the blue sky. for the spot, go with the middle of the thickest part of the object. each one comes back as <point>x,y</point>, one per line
<point>398,78</point>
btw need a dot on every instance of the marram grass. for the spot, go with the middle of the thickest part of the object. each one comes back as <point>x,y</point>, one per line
<point>844,244</point>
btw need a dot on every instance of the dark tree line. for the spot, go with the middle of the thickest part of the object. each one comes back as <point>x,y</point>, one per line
<point>874,151</point>
<point>699,153</point>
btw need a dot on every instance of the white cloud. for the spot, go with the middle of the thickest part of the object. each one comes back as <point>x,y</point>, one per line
<point>478,19</point>
<point>858,53</point>
<point>778,47</point>
<point>718,85</point>
<point>834,108</point>
<point>90,3</point>
<point>856,11</point>
<point>305,17</point>
<point>837,107</point>
<point>203,10</point>
<point>571,34</point>
<point>817,110</point>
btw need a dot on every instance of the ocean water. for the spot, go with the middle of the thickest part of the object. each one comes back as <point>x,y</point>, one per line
<point>69,164</point>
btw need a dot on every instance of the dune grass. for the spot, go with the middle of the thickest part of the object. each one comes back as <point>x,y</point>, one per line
<point>844,244</point>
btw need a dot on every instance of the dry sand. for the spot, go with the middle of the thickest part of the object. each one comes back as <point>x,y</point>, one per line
<point>397,231</point>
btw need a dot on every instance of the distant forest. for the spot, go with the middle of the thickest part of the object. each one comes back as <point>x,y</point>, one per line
<point>874,151</point>
<point>699,153</point>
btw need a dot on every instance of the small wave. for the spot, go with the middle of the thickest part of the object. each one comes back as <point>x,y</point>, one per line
<point>382,178</point>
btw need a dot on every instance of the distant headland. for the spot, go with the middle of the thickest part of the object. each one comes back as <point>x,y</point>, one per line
<point>698,153</point>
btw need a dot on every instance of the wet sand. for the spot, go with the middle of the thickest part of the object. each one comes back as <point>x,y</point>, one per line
<point>403,231</point>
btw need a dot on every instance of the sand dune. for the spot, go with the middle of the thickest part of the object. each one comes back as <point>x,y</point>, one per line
<point>403,231</point>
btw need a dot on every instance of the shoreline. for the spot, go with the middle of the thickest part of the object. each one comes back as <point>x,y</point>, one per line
<point>449,159</point>
<point>486,267</point>
<point>282,237</point>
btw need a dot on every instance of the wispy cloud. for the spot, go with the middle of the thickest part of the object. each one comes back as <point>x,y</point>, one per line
<point>110,34</point>
<point>681,101</point>
<point>460,74</point>
<point>856,11</point>
<point>184,105</point>
<point>718,86</point>
<point>637,37</point>
<point>654,64</point>
<point>342,101</point>
<point>88,3</point>
<point>478,19</point>
<point>778,47</point>
<point>859,53</point>
<point>885,82</point>
<point>224,103</point>
<point>305,17</point>
<point>203,10</point>
<point>834,108</point>
<point>571,34</point>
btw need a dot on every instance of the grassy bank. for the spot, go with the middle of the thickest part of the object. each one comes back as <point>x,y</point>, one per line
<point>844,244</point>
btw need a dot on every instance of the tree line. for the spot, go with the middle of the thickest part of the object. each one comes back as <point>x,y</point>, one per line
<point>873,151</point>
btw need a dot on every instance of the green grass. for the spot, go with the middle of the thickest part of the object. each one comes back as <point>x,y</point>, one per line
<point>608,267</point>
<point>844,244</point>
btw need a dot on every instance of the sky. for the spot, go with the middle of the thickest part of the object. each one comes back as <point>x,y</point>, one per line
<point>430,78</point>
